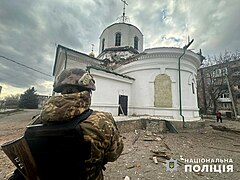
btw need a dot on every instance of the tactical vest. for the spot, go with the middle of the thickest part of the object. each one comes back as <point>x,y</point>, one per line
<point>59,150</point>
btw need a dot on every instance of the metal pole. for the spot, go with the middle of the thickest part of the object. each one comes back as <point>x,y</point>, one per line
<point>180,84</point>
<point>231,97</point>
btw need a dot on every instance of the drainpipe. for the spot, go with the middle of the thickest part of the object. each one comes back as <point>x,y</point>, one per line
<point>180,85</point>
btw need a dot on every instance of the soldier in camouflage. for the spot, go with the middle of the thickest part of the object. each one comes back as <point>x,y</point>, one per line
<point>75,86</point>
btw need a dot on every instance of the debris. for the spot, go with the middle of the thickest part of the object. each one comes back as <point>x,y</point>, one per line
<point>148,133</point>
<point>227,137</point>
<point>155,160</point>
<point>127,178</point>
<point>148,139</point>
<point>129,151</point>
<point>152,139</point>
<point>158,159</point>
<point>136,138</point>
<point>161,136</point>
<point>167,146</point>
<point>236,145</point>
<point>223,128</point>
<point>213,147</point>
<point>130,166</point>
<point>162,154</point>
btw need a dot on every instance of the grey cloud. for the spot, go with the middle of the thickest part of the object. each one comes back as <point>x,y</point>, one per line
<point>30,29</point>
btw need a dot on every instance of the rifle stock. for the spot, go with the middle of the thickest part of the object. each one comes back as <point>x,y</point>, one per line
<point>19,153</point>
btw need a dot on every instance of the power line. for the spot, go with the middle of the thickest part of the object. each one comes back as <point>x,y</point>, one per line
<point>24,65</point>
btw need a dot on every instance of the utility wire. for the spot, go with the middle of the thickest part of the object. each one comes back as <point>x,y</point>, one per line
<point>24,65</point>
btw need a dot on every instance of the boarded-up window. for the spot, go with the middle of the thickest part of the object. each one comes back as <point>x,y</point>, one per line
<point>162,91</point>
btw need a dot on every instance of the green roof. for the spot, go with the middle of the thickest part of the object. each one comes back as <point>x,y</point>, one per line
<point>108,71</point>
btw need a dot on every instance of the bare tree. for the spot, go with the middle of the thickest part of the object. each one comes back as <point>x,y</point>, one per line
<point>212,79</point>
<point>11,101</point>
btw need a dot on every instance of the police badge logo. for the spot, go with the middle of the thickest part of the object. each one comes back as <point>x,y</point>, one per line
<point>171,165</point>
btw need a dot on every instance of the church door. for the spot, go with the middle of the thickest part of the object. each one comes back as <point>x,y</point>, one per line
<point>123,105</point>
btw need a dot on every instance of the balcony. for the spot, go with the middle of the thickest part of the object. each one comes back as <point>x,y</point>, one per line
<point>224,100</point>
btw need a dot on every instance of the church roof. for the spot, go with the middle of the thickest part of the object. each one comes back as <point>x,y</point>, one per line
<point>108,71</point>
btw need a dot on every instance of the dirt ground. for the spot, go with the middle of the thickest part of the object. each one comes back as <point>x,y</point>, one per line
<point>136,160</point>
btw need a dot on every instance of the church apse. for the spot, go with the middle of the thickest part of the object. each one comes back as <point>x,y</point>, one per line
<point>162,91</point>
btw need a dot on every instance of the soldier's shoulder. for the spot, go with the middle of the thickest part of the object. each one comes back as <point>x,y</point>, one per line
<point>100,118</point>
<point>101,115</point>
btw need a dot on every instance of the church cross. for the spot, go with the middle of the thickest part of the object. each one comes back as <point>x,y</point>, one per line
<point>124,3</point>
<point>92,47</point>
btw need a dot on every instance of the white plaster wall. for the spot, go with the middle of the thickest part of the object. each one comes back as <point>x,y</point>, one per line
<point>76,64</point>
<point>163,62</point>
<point>128,33</point>
<point>108,89</point>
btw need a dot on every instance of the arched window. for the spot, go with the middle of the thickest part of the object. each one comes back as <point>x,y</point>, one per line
<point>136,42</point>
<point>118,39</point>
<point>103,44</point>
<point>193,88</point>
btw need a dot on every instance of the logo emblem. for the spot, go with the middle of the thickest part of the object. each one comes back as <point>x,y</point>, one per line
<point>171,165</point>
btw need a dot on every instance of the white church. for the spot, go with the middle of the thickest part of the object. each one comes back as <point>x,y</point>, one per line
<point>133,81</point>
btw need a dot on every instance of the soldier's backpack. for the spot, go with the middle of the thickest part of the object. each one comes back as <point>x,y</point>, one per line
<point>58,149</point>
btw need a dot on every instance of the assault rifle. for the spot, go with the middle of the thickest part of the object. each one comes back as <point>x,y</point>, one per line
<point>50,151</point>
<point>19,153</point>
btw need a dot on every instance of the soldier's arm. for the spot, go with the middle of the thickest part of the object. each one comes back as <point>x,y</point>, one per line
<point>115,147</point>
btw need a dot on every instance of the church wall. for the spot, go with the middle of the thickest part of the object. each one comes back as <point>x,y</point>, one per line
<point>147,68</point>
<point>76,64</point>
<point>108,89</point>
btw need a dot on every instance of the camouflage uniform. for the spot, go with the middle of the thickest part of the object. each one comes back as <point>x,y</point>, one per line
<point>100,132</point>
<point>99,128</point>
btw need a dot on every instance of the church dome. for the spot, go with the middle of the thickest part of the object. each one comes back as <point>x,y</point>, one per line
<point>121,35</point>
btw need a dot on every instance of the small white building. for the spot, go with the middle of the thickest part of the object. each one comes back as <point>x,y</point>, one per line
<point>131,81</point>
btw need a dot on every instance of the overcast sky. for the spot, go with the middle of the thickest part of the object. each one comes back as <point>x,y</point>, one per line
<point>30,30</point>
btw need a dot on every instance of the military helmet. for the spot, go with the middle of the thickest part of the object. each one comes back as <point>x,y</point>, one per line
<point>76,77</point>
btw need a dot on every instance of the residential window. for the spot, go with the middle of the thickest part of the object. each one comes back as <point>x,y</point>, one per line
<point>224,71</point>
<point>118,39</point>
<point>136,42</point>
<point>226,95</point>
<point>103,44</point>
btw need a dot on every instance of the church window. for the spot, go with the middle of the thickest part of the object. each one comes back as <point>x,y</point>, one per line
<point>103,44</point>
<point>136,42</point>
<point>193,91</point>
<point>118,39</point>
